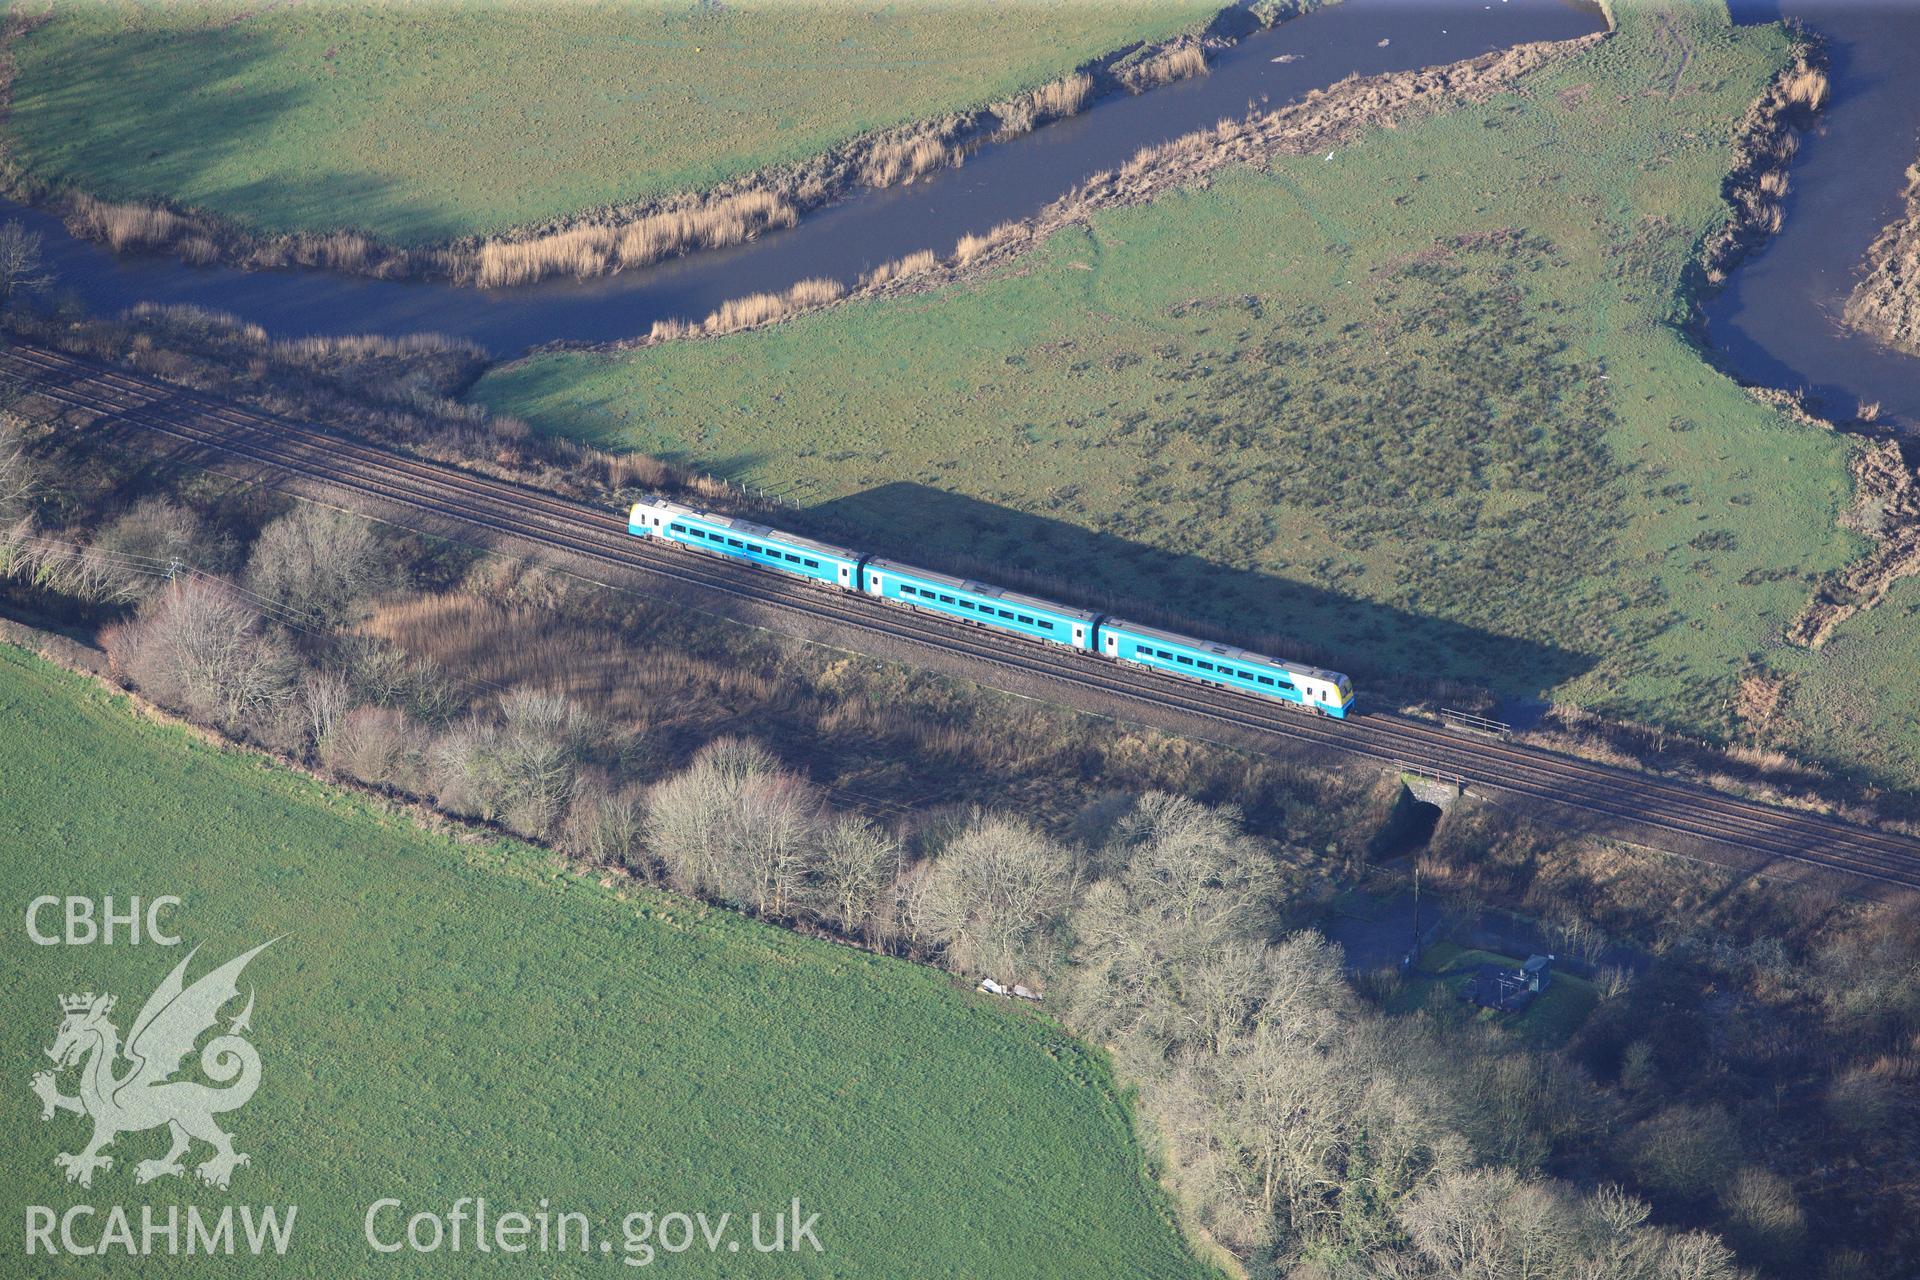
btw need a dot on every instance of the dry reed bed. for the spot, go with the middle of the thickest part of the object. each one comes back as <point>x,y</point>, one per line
<point>1886,303</point>
<point>622,236</point>
<point>1324,118</point>
<point>1764,145</point>
<point>1181,61</point>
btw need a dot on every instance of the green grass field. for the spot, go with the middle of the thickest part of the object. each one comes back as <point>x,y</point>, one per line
<point>426,122</point>
<point>454,1017</point>
<point>1861,687</point>
<point>1420,406</point>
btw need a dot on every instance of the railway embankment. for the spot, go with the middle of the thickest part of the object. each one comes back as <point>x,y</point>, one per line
<point>1603,802</point>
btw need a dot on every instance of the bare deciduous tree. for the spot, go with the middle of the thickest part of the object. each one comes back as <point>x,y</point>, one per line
<point>21,267</point>
<point>520,772</point>
<point>857,863</point>
<point>378,745</point>
<point>605,824</point>
<point>327,698</point>
<point>20,472</point>
<point>736,826</point>
<point>1192,858</point>
<point>318,562</point>
<point>993,895</point>
<point>769,845</point>
<point>687,814</point>
<point>153,535</point>
<point>199,647</point>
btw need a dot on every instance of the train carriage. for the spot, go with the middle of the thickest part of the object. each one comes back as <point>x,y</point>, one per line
<point>980,603</point>
<point>986,605</point>
<point>1325,691</point>
<point>743,540</point>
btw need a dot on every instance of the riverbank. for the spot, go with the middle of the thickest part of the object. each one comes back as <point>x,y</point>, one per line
<point>387,228</point>
<point>1779,321</point>
<point>1325,118</point>
<point>842,242</point>
<point>1885,305</point>
<point>1417,400</point>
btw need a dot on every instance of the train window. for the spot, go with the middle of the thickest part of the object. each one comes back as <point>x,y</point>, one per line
<point>791,558</point>
<point>1024,618</point>
<point>813,564</point>
<point>1185,660</point>
<point>734,542</point>
<point>1206,666</point>
<point>1265,679</point>
<point>946,599</point>
<point>1045,625</point>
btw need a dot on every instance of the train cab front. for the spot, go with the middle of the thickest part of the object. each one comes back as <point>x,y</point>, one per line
<point>1342,701</point>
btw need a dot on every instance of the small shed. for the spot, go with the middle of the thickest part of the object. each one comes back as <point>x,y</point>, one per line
<point>1494,986</point>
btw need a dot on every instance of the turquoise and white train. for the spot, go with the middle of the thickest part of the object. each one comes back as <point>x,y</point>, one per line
<point>1326,692</point>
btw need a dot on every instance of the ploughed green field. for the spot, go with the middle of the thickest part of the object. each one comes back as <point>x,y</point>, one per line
<point>1417,406</point>
<point>447,1018</point>
<point>426,122</point>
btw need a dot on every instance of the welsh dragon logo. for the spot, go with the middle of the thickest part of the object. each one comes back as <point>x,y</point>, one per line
<point>144,1096</point>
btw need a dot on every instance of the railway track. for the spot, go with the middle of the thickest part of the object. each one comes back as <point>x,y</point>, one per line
<point>1674,812</point>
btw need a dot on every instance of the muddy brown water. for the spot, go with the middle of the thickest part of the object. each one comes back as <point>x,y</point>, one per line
<point>1012,180</point>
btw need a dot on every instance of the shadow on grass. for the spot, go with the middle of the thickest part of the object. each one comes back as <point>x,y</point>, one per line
<point>137,115</point>
<point>1064,561</point>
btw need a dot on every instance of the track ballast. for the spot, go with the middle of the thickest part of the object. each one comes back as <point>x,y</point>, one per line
<point>1659,811</point>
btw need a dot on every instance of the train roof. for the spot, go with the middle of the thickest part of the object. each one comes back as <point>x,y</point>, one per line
<point>750,528</point>
<point>987,590</point>
<point>1225,650</point>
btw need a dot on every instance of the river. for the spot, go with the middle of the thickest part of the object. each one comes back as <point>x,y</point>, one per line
<point>1777,321</point>
<point>1012,180</point>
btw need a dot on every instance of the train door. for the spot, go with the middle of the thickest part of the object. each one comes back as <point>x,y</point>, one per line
<point>1079,635</point>
<point>1113,645</point>
<point>846,575</point>
<point>873,583</point>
